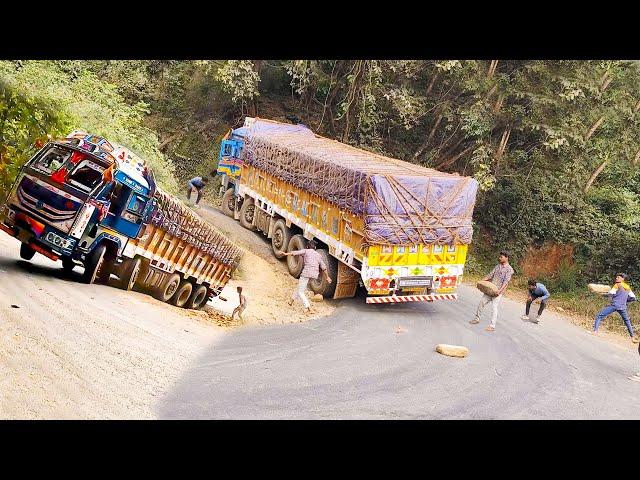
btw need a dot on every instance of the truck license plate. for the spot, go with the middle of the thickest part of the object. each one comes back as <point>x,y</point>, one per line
<point>415,281</point>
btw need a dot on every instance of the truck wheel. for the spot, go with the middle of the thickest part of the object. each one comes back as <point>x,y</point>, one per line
<point>198,298</point>
<point>280,238</point>
<point>168,288</point>
<point>129,273</point>
<point>26,252</point>
<point>183,293</point>
<point>246,213</point>
<point>105,270</point>
<point>93,264</point>
<point>229,203</point>
<point>68,264</point>
<point>295,264</point>
<point>320,285</point>
<point>139,285</point>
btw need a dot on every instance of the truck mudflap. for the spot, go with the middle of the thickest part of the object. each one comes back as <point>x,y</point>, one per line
<point>412,298</point>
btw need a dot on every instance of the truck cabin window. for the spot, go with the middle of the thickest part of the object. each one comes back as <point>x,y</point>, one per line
<point>86,176</point>
<point>51,160</point>
<point>136,204</point>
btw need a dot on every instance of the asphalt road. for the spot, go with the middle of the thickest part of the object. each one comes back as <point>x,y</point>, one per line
<point>379,362</point>
<point>91,351</point>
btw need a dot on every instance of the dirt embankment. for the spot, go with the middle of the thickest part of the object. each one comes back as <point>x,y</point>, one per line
<point>265,281</point>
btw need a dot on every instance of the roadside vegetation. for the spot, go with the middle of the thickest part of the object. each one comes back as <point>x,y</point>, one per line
<point>554,145</point>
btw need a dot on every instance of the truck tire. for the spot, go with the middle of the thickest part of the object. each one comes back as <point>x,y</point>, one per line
<point>229,203</point>
<point>129,273</point>
<point>168,288</point>
<point>26,252</point>
<point>105,270</point>
<point>140,285</point>
<point>320,285</point>
<point>68,264</point>
<point>247,212</point>
<point>280,238</point>
<point>295,264</point>
<point>198,298</point>
<point>182,295</point>
<point>93,264</point>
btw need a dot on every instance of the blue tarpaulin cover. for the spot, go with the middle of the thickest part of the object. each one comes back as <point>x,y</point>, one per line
<point>402,203</point>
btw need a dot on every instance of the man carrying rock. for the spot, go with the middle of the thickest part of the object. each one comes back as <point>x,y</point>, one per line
<point>537,291</point>
<point>500,276</point>
<point>313,263</point>
<point>620,294</point>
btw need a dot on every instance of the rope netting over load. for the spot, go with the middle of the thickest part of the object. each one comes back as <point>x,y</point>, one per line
<point>177,219</point>
<point>402,203</point>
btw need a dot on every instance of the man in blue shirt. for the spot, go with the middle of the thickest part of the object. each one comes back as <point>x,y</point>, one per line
<point>537,290</point>
<point>196,184</point>
<point>620,294</point>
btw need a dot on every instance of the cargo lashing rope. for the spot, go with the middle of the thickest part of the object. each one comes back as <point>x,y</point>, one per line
<point>346,177</point>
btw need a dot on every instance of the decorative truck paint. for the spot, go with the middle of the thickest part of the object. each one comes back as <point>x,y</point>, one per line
<point>88,201</point>
<point>400,230</point>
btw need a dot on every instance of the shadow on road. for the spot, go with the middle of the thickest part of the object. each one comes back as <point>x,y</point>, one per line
<point>54,271</point>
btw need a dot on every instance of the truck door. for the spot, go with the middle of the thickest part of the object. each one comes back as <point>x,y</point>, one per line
<point>126,210</point>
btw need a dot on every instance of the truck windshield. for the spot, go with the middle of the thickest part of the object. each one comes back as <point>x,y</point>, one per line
<point>51,160</point>
<point>86,176</point>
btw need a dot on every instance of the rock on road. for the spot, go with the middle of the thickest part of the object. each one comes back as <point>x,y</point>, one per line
<point>92,351</point>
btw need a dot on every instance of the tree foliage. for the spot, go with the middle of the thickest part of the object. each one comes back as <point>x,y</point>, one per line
<point>554,145</point>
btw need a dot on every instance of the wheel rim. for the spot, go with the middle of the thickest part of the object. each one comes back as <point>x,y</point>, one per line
<point>248,214</point>
<point>278,239</point>
<point>171,288</point>
<point>184,296</point>
<point>231,204</point>
<point>197,301</point>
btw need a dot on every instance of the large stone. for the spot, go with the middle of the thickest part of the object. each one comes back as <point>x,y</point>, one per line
<point>452,350</point>
<point>317,298</point>
<point>487,288</point>
<point>598,288</point>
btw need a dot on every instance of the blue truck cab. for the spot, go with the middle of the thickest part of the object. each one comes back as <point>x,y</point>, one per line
<point>79,199</point>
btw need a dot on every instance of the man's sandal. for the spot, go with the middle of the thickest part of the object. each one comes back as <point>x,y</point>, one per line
<point>474,321</point>
<point>490,328</point>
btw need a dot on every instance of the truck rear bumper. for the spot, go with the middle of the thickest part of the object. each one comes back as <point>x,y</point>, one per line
<point>412,298</point>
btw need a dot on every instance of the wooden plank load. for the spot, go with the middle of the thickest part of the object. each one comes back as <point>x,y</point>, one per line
<point>180,221</point>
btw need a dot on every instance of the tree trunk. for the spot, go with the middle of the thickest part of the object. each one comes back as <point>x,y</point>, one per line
<point>636,158</point>
<point>594,175</point>
<point>453,159</point>
<point>433,81</point>
<point>492,68</point>
<point>165,143</point>
<point>426,143</point>
<point>503,143</point>
<point>594,128</point>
